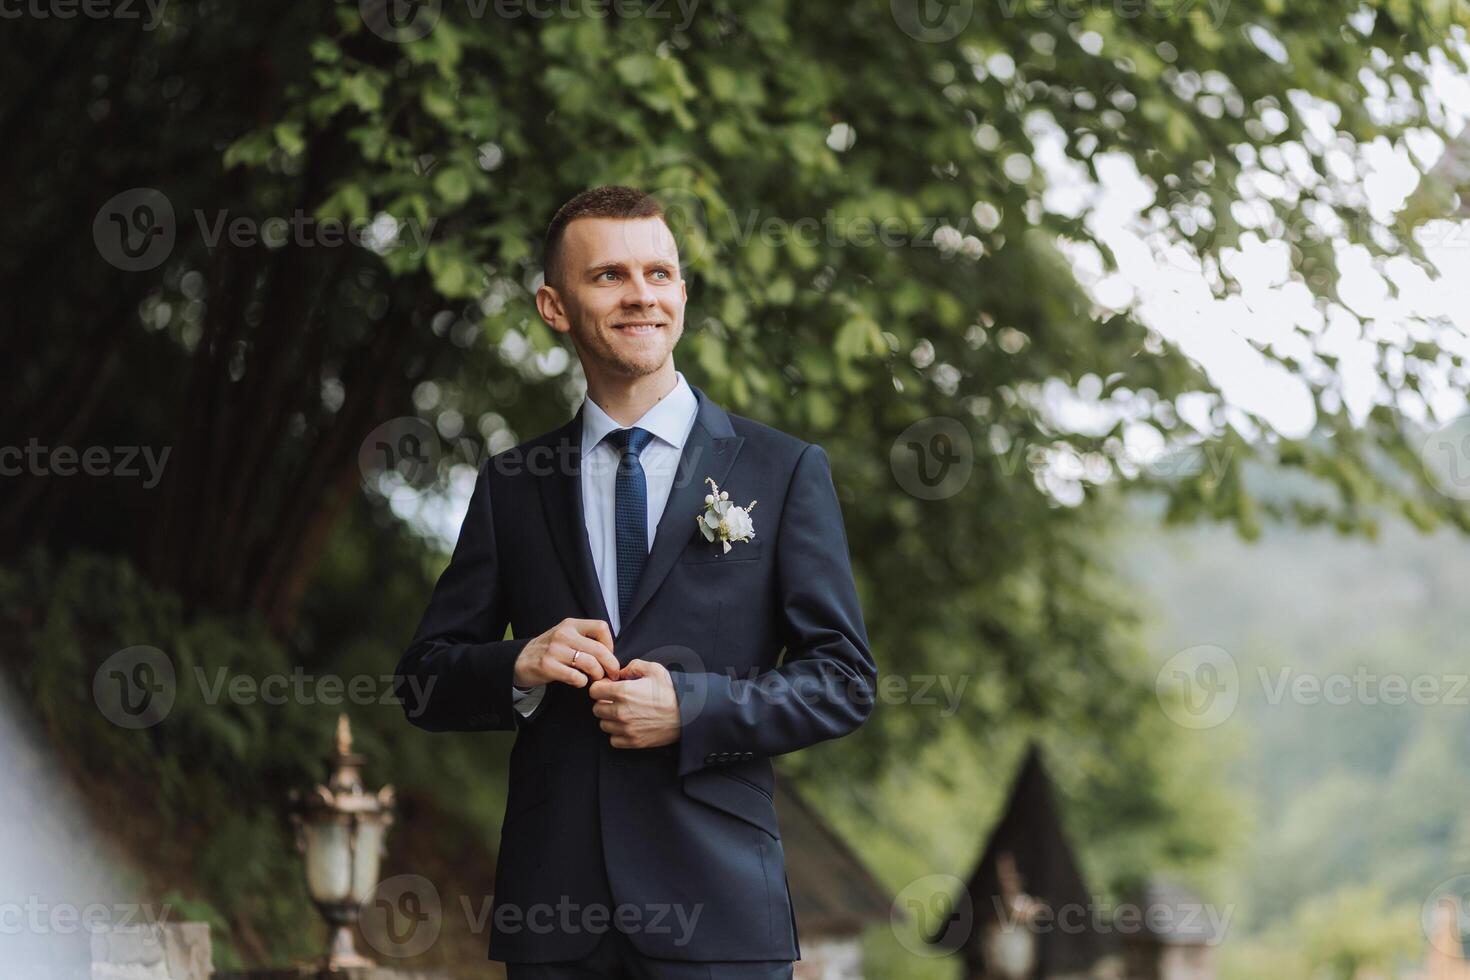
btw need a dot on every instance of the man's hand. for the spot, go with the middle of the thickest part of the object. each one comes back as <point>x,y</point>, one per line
<point>638,709</point>
<point>574,651</point>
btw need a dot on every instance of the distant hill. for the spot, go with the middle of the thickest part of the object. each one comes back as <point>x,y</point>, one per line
<point>1365,779</point>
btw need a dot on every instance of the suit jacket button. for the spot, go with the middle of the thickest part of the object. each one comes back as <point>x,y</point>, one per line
<point>709,758</point>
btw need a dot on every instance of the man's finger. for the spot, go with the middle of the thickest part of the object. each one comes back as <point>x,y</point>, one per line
<point>597,629</point>
<point>604,709</point>
<point>593,649</point>
<point>604,690</point>
<point>567,675</point>
<point>581,660</point>
<point>640,668</point>
<point>613,727</point>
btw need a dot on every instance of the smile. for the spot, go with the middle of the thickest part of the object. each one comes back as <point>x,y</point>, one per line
<point>637,329</point>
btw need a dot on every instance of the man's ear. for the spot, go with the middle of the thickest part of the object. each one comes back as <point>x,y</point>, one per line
<point>549,305</point>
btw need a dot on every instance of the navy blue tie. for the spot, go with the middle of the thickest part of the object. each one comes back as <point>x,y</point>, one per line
<point>632,513</point>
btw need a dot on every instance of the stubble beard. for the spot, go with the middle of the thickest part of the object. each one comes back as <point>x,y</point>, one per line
<point>607,356</point>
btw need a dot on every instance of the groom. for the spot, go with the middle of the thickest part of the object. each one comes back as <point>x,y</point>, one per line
<point>645,681</point>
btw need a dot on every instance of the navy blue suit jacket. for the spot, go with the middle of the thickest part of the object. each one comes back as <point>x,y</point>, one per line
<point>686,832</point>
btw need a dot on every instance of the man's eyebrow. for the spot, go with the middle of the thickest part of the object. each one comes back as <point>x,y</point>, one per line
<point>616,266</point>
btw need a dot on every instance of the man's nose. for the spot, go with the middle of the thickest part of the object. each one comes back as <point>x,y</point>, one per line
<point>640,294</point>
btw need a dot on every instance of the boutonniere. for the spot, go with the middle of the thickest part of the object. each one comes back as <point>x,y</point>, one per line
<point>722,521</point>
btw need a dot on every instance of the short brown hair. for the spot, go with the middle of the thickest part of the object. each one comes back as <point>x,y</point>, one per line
<point>610,201</point>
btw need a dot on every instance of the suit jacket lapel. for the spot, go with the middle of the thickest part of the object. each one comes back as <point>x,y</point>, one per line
<point>708,452</point>
<point>561,496</point>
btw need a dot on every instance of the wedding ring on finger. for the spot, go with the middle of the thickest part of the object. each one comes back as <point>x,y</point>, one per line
<point>575,655</point>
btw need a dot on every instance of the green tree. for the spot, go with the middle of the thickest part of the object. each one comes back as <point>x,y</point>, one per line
<point>780,134</point>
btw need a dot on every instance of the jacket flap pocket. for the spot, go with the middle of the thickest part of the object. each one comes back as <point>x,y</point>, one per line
<point>735,797</point>
<point>523,799</point>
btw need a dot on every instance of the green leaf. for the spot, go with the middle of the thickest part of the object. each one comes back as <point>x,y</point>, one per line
<point>636,70</point>
<point>348,202</point>
<point>363,92</point>
<point>438,103</point>
<point>455,276</point>
<point>250,150</point>
<point>727,139</point>
<point>288,135</point>
<point>452,184</point>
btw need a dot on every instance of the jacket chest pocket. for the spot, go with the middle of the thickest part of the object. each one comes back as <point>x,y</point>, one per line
<point>702,552</point>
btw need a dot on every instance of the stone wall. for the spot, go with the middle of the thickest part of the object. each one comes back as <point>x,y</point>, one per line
<point>830,959</point>
<point>172,951</point>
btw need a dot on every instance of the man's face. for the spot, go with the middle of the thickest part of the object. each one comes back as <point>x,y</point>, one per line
<point>621,297</point>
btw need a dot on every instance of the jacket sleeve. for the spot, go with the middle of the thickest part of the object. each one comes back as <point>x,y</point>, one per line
<point>825,686</point>
<point>458,671</point>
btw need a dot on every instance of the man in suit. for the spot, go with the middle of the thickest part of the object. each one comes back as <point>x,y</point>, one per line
<point>645,680</point>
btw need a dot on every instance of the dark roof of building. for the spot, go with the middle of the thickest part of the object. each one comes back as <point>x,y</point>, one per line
<point>1030,831</point>
<point>833,891</point>
<point>1170,913</point>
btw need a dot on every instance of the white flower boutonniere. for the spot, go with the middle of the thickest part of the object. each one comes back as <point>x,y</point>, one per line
<point>722,521</point>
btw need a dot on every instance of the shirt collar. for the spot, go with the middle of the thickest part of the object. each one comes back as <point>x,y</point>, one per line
<point>670,418</point>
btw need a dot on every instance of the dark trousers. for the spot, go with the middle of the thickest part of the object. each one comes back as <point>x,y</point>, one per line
<point>616,957</point>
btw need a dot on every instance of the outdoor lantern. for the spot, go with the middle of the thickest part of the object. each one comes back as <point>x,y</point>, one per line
<point>342,832</point>
<point>1010,944</point>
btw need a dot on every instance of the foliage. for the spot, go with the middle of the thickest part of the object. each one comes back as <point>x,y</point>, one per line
<point>199,801</point>
<point>774,130</point>
<point>1347,935</point>
<point>1349,728</point>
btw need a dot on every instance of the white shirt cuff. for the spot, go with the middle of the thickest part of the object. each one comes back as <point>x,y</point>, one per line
<point>527,700</point>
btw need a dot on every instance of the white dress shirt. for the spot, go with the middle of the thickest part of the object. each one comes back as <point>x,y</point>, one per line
<point>670,420</point>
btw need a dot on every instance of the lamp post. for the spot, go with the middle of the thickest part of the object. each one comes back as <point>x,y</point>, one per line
<point>1010,943</point>
<point>341,830</point>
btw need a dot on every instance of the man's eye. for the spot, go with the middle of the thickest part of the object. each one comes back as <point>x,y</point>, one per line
<point>608,274</point>
<point>662,272</point>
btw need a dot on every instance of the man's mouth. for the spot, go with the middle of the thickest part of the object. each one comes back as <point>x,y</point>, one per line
<point>637,328</point>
